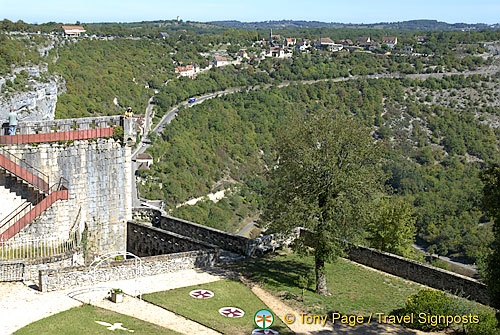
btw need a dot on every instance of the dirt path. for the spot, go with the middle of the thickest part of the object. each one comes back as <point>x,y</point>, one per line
<point>280,309</point>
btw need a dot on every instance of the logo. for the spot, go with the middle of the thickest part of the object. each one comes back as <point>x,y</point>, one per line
<point>265,332</point>
<point>263,319</point>
<point>201,294</point>
<point>231,312</point>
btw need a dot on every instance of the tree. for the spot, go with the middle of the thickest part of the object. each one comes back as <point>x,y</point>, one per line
<point>394,228</point>
<point>326,177</point>
<point>491,203</point>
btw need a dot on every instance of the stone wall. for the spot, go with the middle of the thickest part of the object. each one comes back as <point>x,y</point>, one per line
<point>31,267</point>
<point>144,240</point>
<point>52,280</point>
<point>99,179</point>
<point>420,273</point>
<point>226,241</point>
<point>390,263</point>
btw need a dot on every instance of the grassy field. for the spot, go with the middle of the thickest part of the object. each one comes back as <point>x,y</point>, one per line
<point>354,289</point>
<point>228,293</point>
<point>82,320</point>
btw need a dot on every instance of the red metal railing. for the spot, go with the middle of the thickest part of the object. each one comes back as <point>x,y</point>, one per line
<point>26,213</point>
<point>59,136</point>
<point>21,169</point>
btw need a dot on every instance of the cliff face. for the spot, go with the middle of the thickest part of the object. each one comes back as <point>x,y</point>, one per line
<point>37,92</point>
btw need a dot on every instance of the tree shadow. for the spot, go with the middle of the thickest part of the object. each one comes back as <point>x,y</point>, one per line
<point>271,270</point>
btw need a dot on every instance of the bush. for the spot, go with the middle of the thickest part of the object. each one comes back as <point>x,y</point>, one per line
<point>118,133</point>
<point>429,302</point>
<point>486,326</point>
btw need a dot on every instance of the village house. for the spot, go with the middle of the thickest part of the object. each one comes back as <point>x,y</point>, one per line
<point>274,38</point>
<point>289,42</point>
<point>303,46</point>
<point>220,61</point>
<point>421,39</point>
<point>327,43</point>
<point>277,52</point>
<point>188,70</point>
<point>346,43</point>
<point>408,49</point>
<point>243,54</point>
<point>73,30</point>
<point>363,40</point>
<point>390,41</point>
<point>144,159</point>
<point>163,36</point>
<point>372,45</point>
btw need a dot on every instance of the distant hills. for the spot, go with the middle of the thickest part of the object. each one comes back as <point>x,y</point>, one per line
<point>404,25</point>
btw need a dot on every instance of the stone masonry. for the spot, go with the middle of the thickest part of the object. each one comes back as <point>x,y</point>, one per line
<point>99,179</point>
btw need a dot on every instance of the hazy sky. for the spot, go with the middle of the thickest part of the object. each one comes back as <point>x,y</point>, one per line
<point>353,11</point>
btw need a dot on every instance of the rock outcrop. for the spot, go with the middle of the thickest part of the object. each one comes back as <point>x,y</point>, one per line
<point>39,98</point>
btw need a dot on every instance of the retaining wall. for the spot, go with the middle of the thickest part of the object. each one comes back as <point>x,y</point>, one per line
<point>421,273</point>
<point>144,240</point>
<point>390,263</point>
<point>29,269</point>
<point>226,241</point>
<point>52,280</point>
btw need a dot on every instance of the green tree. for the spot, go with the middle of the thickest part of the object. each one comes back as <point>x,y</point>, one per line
<point>394,228</point>
<point>326,177</point>
<point>491,203</point>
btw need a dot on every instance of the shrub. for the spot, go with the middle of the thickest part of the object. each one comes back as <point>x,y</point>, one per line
<point>486,326</point>
<point>118,133</point>
<point>429,302</point>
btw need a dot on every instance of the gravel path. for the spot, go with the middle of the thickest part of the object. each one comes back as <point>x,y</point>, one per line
<point>21,305</point>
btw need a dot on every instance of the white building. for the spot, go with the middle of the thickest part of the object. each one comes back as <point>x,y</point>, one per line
<point>220,61</point>
<point>390,41</point>
<point>188,70</point>
<point>73,30</point>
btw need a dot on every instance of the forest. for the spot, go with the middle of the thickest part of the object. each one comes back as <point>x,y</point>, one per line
<point>440,133</point>
<point>433,162</point>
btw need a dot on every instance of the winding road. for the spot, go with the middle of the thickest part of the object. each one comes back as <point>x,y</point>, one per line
<point>491,69</point>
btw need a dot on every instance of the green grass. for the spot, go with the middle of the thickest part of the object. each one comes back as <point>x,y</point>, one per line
<point>354,289</point>
<point>82,320</point>
<point>228,293</point>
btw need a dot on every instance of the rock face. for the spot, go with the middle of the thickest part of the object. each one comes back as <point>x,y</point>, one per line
<point>39,97</point>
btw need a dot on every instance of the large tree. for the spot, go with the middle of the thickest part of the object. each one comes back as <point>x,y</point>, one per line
<point>326,176</point>
<point>491,203</point>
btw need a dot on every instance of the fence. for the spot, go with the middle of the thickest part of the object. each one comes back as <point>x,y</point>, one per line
<point>28,211</point>
<point>37,248</point>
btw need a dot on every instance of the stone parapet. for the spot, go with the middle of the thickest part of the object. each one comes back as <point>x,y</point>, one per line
<point>52,280</point>
<point>144,240</point>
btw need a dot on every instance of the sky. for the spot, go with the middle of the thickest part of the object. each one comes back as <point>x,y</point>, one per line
<point>345,11</point>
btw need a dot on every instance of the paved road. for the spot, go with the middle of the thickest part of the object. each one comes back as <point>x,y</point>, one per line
<point>447,259</point>
<point>167,118</point>
<point>247,228</point>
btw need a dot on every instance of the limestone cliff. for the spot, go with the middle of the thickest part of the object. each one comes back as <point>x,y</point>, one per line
<point>35,89</point>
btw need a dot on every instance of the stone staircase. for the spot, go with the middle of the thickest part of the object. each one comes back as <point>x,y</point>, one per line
<point>24,194</point>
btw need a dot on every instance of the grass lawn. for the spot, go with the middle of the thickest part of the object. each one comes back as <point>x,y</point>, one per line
<point>354,289</point>
<point>228,293</point>
<point>82,320</point>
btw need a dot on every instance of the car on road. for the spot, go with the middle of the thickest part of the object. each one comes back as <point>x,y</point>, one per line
<point>192,100</point>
